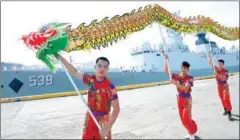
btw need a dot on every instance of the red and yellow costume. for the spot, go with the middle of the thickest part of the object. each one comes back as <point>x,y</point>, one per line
<point>185,102</point>
<point>223,88</point>
<point>100,95</point>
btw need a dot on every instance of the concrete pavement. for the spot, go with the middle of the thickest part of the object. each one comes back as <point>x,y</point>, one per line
<point>145,113</point>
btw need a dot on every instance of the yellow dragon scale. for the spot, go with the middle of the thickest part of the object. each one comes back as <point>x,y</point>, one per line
<point>100,34</point>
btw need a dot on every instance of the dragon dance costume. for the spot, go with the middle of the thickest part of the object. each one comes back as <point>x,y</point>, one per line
<point>100,95</point>
<point>184,101</point>
<point>223,89</point>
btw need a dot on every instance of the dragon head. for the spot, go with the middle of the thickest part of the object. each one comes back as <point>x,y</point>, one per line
<point>47,42</point>
<point>35,40</point>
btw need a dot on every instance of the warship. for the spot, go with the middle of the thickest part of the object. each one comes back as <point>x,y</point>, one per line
<point>19,80</point>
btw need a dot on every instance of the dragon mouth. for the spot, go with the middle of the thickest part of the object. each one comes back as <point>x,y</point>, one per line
<point>36,40</point>
<point>47,35</point>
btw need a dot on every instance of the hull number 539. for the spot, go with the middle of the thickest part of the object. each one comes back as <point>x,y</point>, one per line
<point>41,80</point>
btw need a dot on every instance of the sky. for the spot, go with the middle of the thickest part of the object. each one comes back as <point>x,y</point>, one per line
<point>29,16</point>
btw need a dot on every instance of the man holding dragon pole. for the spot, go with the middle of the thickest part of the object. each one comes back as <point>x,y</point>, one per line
<point>221,75</point>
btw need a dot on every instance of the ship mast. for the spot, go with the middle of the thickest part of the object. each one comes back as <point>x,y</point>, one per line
<point>174,35</point>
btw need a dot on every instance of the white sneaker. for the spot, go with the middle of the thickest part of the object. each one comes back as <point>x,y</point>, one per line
<point>191,137</point>
<point>187,136</point>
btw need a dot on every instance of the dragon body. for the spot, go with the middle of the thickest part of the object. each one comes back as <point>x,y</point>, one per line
<point>53,37</point>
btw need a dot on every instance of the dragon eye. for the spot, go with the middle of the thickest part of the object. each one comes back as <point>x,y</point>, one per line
<point>44,28</point>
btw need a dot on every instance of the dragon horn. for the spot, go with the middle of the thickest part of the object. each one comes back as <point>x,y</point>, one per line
<point>61,24</point>
<point>56,24</point>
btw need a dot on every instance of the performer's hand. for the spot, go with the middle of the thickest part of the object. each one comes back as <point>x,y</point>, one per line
<point>178,83</point>
<point>173,82</point>
<point>104,132</point>
<point>58,56</point>
<point>166,56</point>
<point>211,52</point>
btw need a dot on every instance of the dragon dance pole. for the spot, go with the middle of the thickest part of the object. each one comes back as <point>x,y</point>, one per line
<point>211,51</point>
<point>169,72</point>
<point>84,102</point>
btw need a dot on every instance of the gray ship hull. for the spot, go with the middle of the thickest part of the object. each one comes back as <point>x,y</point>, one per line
<point>44,82</point>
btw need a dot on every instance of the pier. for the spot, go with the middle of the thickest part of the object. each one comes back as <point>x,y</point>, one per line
<point>146,113</point>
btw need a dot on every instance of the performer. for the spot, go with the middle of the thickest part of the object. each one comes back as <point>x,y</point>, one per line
<point>221,75</point>
<point>184,82</point>
<point>102,94</point>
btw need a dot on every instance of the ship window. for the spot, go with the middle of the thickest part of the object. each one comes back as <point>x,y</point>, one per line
<point>158,54</point>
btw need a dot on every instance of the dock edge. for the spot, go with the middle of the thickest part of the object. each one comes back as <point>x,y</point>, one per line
<point>83,92</point>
